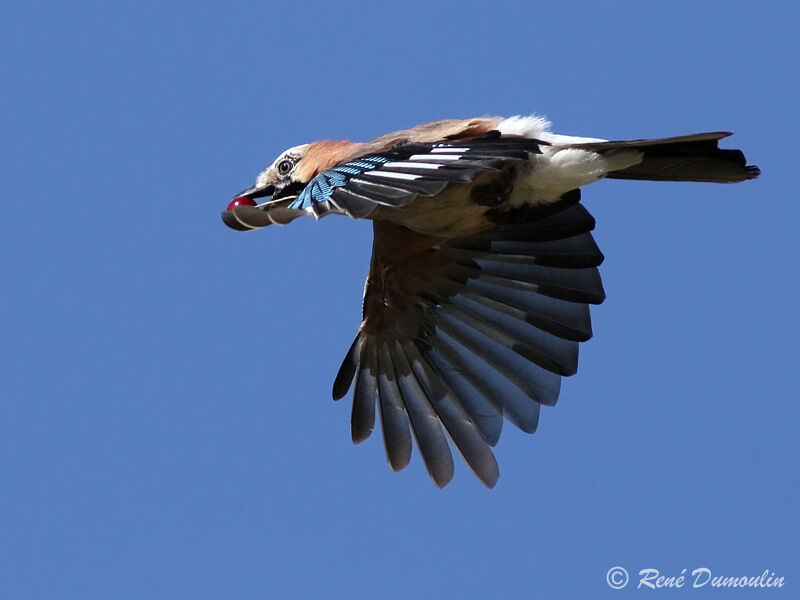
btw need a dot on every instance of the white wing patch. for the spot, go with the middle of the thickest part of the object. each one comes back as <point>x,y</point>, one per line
<point>416,165</point>
<point>424,157</point>
<point>392,175</point>
<point>448,150</point>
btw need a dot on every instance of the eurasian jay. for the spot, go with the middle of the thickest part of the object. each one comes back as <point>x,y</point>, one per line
<point>483,267</point>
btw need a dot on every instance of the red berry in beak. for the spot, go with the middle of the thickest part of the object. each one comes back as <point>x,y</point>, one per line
<point>242,201</point>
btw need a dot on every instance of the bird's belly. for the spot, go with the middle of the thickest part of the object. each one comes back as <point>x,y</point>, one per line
<point>453,213</point>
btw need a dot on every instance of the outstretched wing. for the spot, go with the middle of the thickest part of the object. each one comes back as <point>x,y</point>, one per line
<point>459,333</point>
<point>395,177</point>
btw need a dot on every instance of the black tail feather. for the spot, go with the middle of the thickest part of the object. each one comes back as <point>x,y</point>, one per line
<point>685,158</point>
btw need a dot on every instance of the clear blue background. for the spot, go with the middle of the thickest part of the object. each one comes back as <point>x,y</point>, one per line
<point>166,428</point>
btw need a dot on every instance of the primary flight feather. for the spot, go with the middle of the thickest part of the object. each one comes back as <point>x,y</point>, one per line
<point>483,267</point>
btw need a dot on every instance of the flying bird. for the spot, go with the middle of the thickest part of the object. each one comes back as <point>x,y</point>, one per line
<point>483,267</point>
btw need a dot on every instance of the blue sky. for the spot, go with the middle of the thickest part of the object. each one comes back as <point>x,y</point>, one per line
<point>166,428</point>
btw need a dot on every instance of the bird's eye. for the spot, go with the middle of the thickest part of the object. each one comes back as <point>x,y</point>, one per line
<point>285,166</point>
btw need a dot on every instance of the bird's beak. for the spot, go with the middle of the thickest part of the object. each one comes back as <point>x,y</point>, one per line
<point>245,214</point>
<point>256,192</point>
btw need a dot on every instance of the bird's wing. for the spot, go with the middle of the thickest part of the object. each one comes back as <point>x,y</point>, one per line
<point>459,333</point>
<point>396,176</point>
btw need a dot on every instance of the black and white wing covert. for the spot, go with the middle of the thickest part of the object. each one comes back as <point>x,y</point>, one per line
<point>395,177</point>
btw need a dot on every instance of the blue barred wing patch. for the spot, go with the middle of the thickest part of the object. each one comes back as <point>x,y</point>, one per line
<point>322,186</point>
<point>398,176</point>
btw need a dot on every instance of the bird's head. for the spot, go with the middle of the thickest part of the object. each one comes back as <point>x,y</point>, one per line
<point>281,182</point>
